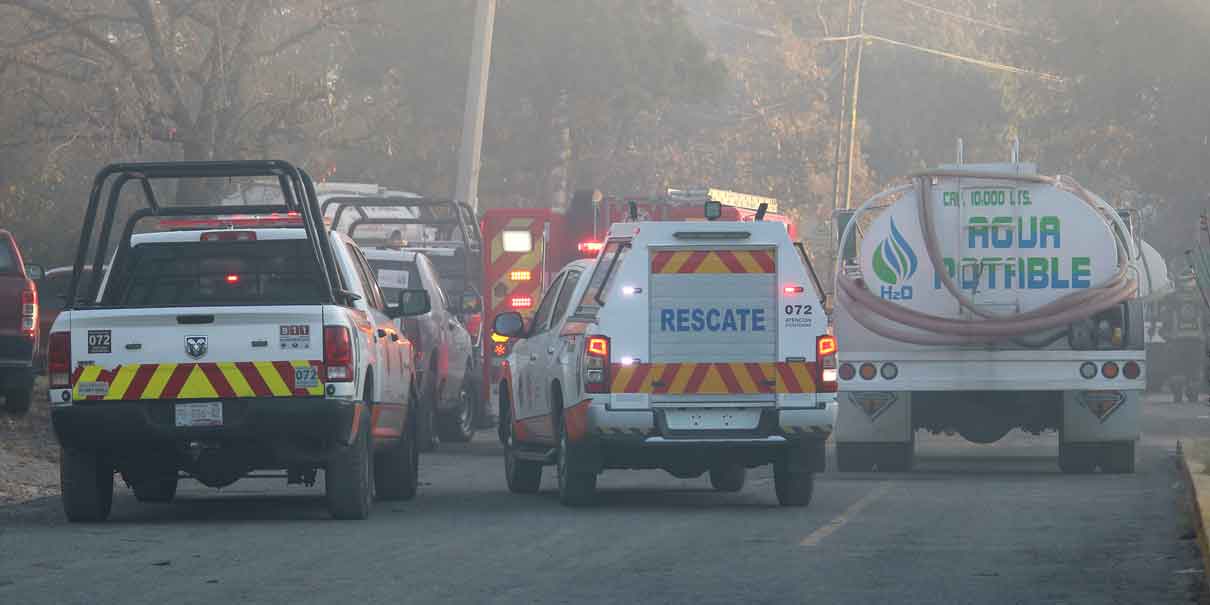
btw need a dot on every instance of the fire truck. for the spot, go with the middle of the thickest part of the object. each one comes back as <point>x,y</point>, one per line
<point>525,247</point>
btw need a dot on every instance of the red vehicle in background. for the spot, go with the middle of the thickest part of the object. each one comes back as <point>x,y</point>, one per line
<point>52,295</point>
<point>18,325</point>
<point>524,247</point>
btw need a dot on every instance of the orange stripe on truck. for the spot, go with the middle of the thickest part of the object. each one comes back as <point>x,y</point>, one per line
<point>714,378</point>
<point>712,261</point>
<point>207,380</point>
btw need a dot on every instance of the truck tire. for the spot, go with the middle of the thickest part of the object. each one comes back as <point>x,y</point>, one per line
<point>793,489</point>
<point>426,434</point>
<point>161,489</point>
<point>458,426</point>
<point>522,476</point>
<point>576,488</point>
<point>86,482</point>
<point>1117,458</point>
<point>397,469</point>
<point>728,478</point>
<point>17,401</point>
<point>349,476</point>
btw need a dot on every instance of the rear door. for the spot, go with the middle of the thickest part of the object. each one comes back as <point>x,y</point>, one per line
<point>190,320</point>
<point>713,325</point>
<point>390,348</point>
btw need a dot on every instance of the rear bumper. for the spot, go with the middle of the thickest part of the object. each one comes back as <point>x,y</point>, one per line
<point>126,425</point>
<point>642,439</point>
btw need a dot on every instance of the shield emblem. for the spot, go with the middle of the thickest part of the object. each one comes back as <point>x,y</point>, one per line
<point>196,346</point>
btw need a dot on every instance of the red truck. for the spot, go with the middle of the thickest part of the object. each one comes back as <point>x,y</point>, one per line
<point>18,325</point>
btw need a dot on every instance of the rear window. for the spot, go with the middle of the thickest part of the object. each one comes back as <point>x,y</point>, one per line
<point>394,276</point>
<point>52,289</point>
<point>8,264</point>
<point>604,272</point>
<point>177,274</point>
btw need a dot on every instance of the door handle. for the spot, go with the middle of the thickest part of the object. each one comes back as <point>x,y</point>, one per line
<point>394,337</point>
<point>382,333</point>
<point>550,351</point>
<point>533,357</point>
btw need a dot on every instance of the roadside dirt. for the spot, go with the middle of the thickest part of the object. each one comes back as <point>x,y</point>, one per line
<point>29,454</point>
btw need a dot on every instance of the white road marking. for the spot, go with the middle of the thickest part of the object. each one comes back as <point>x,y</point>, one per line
<point>843,518</point>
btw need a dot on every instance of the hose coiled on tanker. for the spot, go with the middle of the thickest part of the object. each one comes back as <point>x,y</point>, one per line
<point>896,322</point>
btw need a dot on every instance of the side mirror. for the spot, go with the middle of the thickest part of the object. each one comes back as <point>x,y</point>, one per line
<point>509,324</point>
<point>34,272</point>
<point>412,302</point>
<point>471,303</point>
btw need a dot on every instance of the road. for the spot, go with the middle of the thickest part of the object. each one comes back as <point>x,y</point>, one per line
<point>975,524</point>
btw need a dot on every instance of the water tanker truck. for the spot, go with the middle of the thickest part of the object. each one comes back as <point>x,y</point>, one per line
<point>979,298</point>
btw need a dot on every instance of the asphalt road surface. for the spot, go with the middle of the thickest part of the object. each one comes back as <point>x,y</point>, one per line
<point>974,524</point>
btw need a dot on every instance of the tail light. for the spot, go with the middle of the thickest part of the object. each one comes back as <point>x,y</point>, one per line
<point>1109,370</point>
<point>338,354</point>
<point>58,360</point>
<point>29,313</point>
<point>825,360</point>
<point>1131,370</point>
<point>596,364</point>
<point>474,324</point>
<point>590,248</point>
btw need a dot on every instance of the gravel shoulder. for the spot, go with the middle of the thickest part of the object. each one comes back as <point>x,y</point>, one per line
<point>29,454</point>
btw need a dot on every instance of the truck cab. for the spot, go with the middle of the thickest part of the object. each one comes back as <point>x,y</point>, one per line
<point>691,347</point>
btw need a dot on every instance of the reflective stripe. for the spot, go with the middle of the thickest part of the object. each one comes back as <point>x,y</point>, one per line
<point>713,261</point>
<point>195,380</point>
<point>714,378</point>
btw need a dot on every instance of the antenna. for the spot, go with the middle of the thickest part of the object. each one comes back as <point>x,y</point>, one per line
<point>959,151</point>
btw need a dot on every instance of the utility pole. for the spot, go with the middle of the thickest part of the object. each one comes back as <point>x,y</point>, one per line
<point>467,189</point>
<point>848,190</point>
<point>844,106</point>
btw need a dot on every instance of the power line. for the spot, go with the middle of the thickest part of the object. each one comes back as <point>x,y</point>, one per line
<point>1049,77</point>
<point>972,20</point>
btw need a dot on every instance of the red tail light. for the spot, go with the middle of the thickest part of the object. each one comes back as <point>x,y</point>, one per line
<point>58,360</point>
<point>29,313</point>
<point>825,361</point>
<point>473,325</point>
<point>338,354</point>
<point>521,302</point>
<point>596,364</point>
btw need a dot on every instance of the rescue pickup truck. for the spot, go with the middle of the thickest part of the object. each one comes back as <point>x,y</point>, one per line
<point>691,347</point>
<point>228,344</point>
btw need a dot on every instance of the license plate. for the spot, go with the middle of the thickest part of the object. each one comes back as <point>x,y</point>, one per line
<point>306,378</point>
<point>209,413</point>
<point>705,420</point>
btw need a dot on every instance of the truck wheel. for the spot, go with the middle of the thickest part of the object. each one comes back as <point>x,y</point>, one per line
<point>854,458</point>
<point>728,478</point>
<point>155,489</point>
<point>1118,458</point>
<point>397,470</point>
<point>793,489</point>
<point>426,434</point>
<point>576,488</point>
<point>458,426</point>
<point>522,476</point>
<point>16,401</point>
<point>349,476</point>
<point>86,481</point>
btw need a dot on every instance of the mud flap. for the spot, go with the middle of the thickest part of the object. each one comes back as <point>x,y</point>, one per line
<point>874,417</point>
<point>1099,416</point>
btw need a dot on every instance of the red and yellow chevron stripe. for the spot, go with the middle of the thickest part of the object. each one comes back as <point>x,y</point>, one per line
<point>713,261</point>
<point>714,378</point>
<point>501,264</point>
<point>195,380</point>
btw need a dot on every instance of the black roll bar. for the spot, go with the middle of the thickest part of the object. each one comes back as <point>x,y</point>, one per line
<point>298,193</point>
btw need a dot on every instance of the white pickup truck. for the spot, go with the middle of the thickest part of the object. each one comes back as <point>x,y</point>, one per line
<point>230,344</point>
<point>691,347</point>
